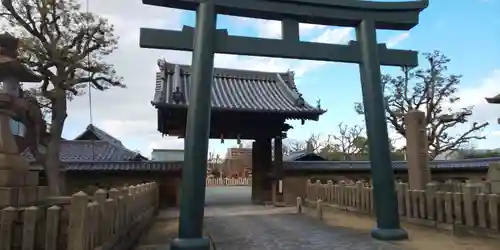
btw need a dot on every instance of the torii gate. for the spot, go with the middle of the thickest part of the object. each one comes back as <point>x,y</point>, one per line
<point>206,40</point>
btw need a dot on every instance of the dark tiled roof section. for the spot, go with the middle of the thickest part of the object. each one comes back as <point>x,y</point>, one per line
<point>236,89</point>
<point>482,163</point>
<point>104,136</point>
<point>124,166</point>
<point>297,155</point>
<point>101,134</point>
<point>89,151</point>
<point>294,155</point>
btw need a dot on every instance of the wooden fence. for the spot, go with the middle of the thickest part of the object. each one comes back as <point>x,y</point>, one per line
<point>229,181</point>
<point>472,210</point>
<point>107,220</point>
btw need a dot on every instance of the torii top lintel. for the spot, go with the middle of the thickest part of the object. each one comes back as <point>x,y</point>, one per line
<point>387,15</point>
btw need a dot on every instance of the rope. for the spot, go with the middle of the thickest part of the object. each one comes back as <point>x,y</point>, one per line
<point>91,119</point>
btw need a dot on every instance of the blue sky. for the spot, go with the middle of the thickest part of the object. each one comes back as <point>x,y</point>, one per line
<point>467,31</point>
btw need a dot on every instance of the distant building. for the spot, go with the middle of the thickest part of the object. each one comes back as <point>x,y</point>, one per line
<point>235,153</point>
<point>238,162</point>
<point>167,155</point>
<point>449,155</point>
<point>468,153</point>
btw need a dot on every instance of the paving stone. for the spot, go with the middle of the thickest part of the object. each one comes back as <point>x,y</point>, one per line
<point>235,224</point>
<point>285,232</point>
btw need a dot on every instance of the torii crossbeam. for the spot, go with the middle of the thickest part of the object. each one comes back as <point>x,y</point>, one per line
<point>365,16</point>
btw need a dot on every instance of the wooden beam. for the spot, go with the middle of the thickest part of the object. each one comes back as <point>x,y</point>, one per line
<point>238,45</point>
<point>231,135</point>
<point>363,5</point>
<point>235,132</point>
<point>394,16</point>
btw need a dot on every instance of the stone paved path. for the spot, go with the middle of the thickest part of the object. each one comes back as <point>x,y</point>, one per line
<point>255,229</point>
<point>234,224</point>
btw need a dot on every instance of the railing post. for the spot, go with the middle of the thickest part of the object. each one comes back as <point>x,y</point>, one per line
<point>77,232</point>
<point>299,205</point>
<point>319,209</point>
<point>7,218</point>
<point>100,197</point>
<point>52,227</point>
<point>114,194</point>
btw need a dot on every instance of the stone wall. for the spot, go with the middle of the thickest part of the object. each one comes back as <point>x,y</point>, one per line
<point>293,187</point>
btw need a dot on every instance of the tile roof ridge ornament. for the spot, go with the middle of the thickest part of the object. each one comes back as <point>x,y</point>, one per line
<point>161,64</point>
<point>165,66</point>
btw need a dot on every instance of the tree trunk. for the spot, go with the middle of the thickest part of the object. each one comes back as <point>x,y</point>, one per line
<point>52,164</point>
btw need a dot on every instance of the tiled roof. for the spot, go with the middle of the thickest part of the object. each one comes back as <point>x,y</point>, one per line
<point>85,151</point>
<point>121,166</point>
<point>478,164</point>
<point>124,166</point>
<point>100,134</point>
<point>234,90</point>
<point>297,155</point>
<point>94,133</point>
<point>96,150</point>
<point>493,100</point>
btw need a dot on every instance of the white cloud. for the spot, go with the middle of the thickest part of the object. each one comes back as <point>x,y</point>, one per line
<point>272,29</point>
<point>395,40</point>
<point>474,95</point>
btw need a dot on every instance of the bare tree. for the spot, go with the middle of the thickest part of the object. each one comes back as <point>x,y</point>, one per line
<point>67,47</point>
<point>349,140</point>
<point>315,142</point>
<point>293,145</point>
<point>434,91</point>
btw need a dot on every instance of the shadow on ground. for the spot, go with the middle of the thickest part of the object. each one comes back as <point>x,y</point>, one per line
<point>228,196</point>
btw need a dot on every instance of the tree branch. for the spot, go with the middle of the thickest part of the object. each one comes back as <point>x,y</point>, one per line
<point>433,91</point>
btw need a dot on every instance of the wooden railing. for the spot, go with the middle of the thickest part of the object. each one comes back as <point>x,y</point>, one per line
<point>229,181</point>
<point>471,210</point>
<point>107,220</point>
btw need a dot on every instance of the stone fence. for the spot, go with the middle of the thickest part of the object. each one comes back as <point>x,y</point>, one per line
<point>470,211</point>
<point>229,181</point>
<point>111,219</point>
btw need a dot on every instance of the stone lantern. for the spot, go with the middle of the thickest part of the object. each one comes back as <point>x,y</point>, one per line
<point>18,185</point>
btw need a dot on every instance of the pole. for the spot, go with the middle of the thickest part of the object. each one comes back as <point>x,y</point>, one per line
<point>197,134</point>
<point>386,206</point>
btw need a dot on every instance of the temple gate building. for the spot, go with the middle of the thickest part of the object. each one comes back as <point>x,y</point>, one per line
<point>246,105</point>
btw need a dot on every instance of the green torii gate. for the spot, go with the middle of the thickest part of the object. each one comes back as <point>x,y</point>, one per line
<point>205,40</point>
